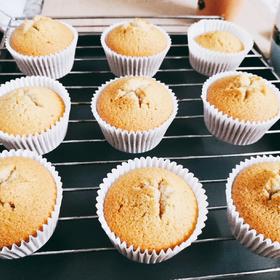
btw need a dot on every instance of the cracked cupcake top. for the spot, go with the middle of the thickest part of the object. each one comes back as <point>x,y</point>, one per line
<point>29,110</point>
<point>41,36</point>
<point>221,41</point>
<point>244,97</point>
<point>152,208</point>
<point>137,38</point>
<point>256,195</point>
<point>27,198</point>
<point>135,104</point>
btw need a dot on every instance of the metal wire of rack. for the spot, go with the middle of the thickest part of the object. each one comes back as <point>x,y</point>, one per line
<point>79,248</point>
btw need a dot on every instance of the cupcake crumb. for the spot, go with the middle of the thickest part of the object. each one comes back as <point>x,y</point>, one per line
<point>27,198</point>
<point>244,97</point>
<point>30,110</point>
<point>135,103</point>
<point>41,36</point>
<point>256,195</point>
<point>272,187</point>
<point>221,41</point>
<point>136,38</point>
<point>151,208</point>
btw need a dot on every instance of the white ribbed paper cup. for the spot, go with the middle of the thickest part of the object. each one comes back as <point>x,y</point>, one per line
<point>54,66</point>
<point>48,140</point>
<point>122,65</point>
<point>231,130</point>
<point>127,141</point>
<point>209,62</point>
<point>36,241</point>
<point>242,231</point>
<point>135,253</point>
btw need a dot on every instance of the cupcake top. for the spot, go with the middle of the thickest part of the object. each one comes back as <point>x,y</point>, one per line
<point>30,110</point>
<point>220,41</point>
<point>41,36</point>
<point>135,103</point>
<point>151,208</point>
<point>27,198</point>
<point>244,97</point>
<point>256,195</point>
<point>136,38</point>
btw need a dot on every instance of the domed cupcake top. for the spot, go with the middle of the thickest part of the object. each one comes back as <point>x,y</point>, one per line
<point>136,38</point>
<point>244,97</point>
<point>221,41</point>
<point>27,198</point>
<point>135,103</point>
<point>256,195</point>
<point>30,110</point>
<point>41,36</point>
<point>151,208</point>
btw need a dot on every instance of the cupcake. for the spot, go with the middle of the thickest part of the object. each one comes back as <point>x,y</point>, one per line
<point>31,194</point>
<point>134,112</point>
<point>135,48</point>
<point>253,196</point>
<point>239,107</point>
<point>43,46</point>
<point>217,46</point>
<point>34,113</point>
<point>220,41</point>
<point>151,209</point>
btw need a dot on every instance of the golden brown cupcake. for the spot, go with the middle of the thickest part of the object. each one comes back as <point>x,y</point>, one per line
<point>41,36</point>
<point>135,103</point>
<point>151,208</point>
<point>27,198</point>
<point>244,97</point>
<point>29,110</point>
<point>137,38</point>
<point>221,41</point>
<point>256,195</point>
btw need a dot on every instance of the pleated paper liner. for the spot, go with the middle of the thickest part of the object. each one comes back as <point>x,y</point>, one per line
<point>132,142</point>
<point>231,130</point>
<point>243,232</point>
<point>122,65</point>
<point>54,66</point>
<point>48,140</point>
<point>132,252</point>
<point>34,242</point>
<point>209,62</point>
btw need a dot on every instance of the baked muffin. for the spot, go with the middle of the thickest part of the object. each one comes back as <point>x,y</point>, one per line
<point>244,97</point>
<point>221,41</point>
<point>30,110</point>
<point>151,208</point>
<point>217,46</point>
<point>27,198</point>
<point>136,38</point>
<point>239,107</point>
<point>41,36</point>
<point>256,195</point>
<point>135,103</point>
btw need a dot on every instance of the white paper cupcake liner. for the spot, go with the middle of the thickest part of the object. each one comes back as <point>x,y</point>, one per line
<point>146,256</point>
<point>132,142</point>
<point>54,66</point>
<point>122,65</point>
<point>242,231</point>
<point>229,129</point>
<point>36,241</point>
<point>208,62</point>
<point>48,140</point>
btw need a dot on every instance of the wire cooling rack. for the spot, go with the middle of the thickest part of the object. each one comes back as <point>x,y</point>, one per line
<point>79,249</point>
